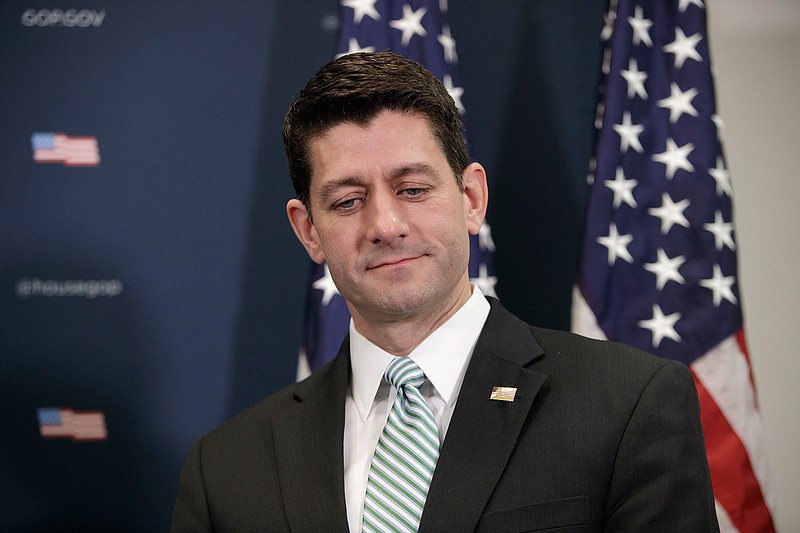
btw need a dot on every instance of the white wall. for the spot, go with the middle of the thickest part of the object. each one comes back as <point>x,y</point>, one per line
<point>755,49</point>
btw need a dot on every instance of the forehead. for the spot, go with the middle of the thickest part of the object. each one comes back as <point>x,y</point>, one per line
<point>390,138</point>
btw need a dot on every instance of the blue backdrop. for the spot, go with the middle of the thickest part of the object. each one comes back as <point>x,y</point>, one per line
<point>163,286</point>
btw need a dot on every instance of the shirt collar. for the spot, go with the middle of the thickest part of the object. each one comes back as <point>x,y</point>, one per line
<point>443,355</point>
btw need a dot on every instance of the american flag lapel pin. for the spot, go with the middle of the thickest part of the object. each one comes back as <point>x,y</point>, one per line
<point>503,394</point>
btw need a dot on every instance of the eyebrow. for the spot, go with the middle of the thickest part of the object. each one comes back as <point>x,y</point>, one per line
<point>327,190</point>
<point>414,168</point>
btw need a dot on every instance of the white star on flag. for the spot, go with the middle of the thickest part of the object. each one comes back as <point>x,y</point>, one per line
<point>354,47</point>
<point>666,269</point>
<point>675,157</point>
<point>721,286</point>
<point>629,133</point>
<point>485,282</point>
<point>327,286</point>
<point>718,122</point>
<point>670,213</point>
<point>722,177</point>
<point>617,245</point>
<point>683,4</point>
<point>362,8</point>
<point>722,231</point>
<point>684,47</point>
<point>448,44</point>
<point>623,189</point>
<point>662,326</point>
<point>485,240</point>
<point>410,24</point>
<point>455,92</point>
<point>641,27</point>
<point>635,79</point>
<point>679,102</point>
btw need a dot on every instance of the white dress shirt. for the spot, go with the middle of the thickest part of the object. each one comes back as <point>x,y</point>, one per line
<point>443,356</point>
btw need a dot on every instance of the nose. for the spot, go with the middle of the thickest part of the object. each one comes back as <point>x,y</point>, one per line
<point>386,218</point>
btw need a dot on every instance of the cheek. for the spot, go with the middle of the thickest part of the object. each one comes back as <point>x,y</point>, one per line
<point>337,246</point>
<point>328,233</point>
<point>451,233</point>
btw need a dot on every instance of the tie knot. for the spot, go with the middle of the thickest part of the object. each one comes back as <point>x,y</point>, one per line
<point>403,371</point>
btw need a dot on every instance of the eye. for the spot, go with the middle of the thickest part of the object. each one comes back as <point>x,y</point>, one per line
<point>347,205</point>
<point>413,192</point>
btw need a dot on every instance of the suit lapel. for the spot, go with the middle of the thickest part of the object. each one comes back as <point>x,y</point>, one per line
<point>483,432</point>
<point>309,450</point>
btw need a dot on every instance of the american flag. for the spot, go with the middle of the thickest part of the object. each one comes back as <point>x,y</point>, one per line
<point>71,151</point>
<point>659,267</point>
<point>63,423</point>
<point>417,29</point>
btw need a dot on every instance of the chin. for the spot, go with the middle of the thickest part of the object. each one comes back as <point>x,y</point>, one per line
<point>398,302</point>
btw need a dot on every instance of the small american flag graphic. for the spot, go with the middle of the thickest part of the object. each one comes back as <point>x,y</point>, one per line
<point>71,151</point>
<point>64,423</point>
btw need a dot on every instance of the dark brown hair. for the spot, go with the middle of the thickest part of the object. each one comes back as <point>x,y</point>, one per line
<point>357,87</point>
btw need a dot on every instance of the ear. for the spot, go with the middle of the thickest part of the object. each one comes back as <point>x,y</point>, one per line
<point>304,229</point>
<point>476,196</point>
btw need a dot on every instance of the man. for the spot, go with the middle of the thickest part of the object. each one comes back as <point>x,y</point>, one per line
<point>533,429</point>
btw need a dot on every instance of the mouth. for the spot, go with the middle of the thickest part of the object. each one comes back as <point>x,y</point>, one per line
<point>393,262</point>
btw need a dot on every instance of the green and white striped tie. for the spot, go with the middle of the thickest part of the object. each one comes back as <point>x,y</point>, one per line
<point>405,457</point>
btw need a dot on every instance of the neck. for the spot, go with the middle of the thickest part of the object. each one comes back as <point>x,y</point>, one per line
<point>399,335</point>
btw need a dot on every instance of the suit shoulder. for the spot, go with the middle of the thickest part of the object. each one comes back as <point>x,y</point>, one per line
<point>561,353</point>
<point>595,354</point>
<point>253,422</point>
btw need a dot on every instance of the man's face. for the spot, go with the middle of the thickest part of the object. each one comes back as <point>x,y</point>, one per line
<point>388,217</point>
